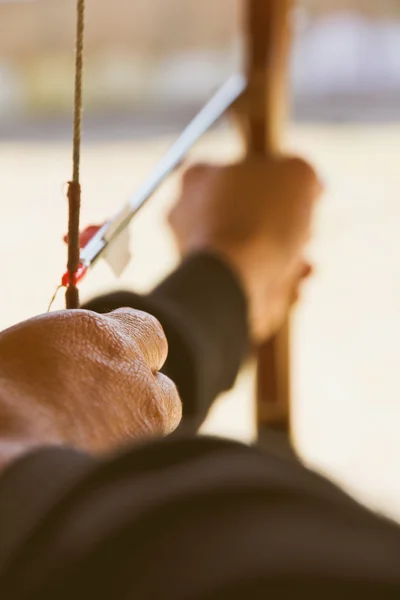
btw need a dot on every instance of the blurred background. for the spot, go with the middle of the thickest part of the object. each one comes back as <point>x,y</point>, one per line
<point>150,64</point>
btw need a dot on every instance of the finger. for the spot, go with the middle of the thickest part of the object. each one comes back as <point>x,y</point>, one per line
<point>170,403</point>
<point>146,332</point>
<point>306,271</point>
<point>303,174</point>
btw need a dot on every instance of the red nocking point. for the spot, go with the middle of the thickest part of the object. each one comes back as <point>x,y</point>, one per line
<point>77,277</point>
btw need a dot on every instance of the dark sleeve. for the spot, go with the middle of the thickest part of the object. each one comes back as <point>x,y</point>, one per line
<point>182,518</point>
<point>203,311</point>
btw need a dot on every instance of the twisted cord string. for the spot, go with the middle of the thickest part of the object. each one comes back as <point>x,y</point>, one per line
<point>74,186</point>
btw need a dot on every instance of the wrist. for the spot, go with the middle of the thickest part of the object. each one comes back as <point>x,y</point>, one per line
<point>255,273</point>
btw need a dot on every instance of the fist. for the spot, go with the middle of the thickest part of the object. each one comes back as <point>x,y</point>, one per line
<point>257,216</point>
<point>88,380</point>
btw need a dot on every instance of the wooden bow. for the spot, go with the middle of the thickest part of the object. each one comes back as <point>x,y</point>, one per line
<point>262,111</point>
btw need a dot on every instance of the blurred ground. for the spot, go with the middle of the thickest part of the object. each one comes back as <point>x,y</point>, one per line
<point>347,330</point>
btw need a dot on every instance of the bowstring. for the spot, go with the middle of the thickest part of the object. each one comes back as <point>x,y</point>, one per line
<point>74,186</point>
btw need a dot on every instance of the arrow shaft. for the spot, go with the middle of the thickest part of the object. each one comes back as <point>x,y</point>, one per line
<point>217,106</point>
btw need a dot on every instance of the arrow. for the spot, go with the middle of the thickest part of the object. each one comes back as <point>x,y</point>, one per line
<point>107,234</point>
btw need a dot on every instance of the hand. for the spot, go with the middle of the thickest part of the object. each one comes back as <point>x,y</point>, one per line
<point>257,216</point>
<point>85,379</point>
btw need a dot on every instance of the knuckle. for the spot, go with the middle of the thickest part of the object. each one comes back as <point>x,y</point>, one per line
<point>125,312</point>
<point>152,329</point>
<point>83,320</point>
<point>126,322</point>
<point>95,328</point>
<point>87,331</point>
<point>167,412</point>
<point>301,169</point>
<point>143,332</point>
<point>153,324</point>
<point>138,318</point>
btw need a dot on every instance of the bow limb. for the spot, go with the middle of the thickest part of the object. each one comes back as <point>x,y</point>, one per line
<point>261,115</point>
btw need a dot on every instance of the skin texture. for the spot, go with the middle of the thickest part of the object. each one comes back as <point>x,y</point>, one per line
<point>87,380</point>
<point>257,215</point>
